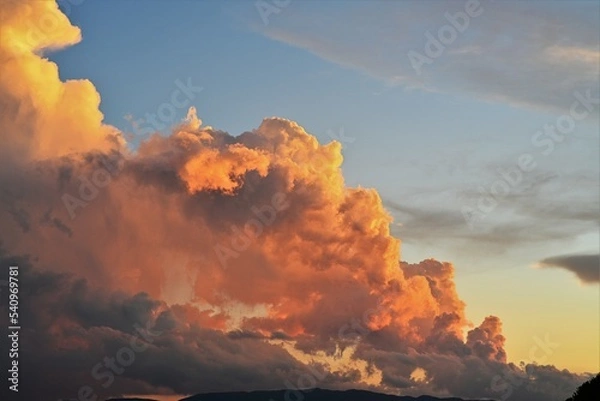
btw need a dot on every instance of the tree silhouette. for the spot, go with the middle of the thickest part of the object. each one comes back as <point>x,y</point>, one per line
<point>588,391</point>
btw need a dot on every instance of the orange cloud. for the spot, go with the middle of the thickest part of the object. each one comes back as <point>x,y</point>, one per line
<point>42,116</point>
<point>309,260</point>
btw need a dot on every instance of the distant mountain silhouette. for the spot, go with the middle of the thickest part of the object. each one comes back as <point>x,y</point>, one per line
<point>588,391</point>
<point>312,395</point>
<point>116,399</point>
<point>131,399</point>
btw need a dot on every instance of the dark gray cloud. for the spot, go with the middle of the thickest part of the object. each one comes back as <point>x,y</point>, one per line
<point>74,325</point>
<point>586,267</point>
<point>544,207</point>
<point>69,324</point>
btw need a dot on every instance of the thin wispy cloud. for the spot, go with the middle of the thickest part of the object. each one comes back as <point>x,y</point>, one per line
<point>526,54</point>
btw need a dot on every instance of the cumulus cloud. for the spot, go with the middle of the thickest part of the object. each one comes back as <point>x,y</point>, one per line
<point>247,255</point>
<point>72,327</point>
<point>42,116</point>
<point>586,267</point>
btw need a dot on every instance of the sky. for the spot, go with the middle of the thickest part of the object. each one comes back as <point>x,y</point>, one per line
<point>478,149</point>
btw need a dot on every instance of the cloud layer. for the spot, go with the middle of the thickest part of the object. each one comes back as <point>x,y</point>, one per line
<point>457,46</point>
<point>586,267</point>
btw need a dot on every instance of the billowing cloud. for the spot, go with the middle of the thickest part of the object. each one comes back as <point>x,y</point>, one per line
<point>586,267</point>
<point>41,116</point>
<point>207,262</point>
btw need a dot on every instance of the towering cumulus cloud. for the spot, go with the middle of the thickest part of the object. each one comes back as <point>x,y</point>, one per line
<point>41,116</point>
<point>217,262</point>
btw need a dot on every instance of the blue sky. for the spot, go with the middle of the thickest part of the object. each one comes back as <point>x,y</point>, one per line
<point>426,142</point>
